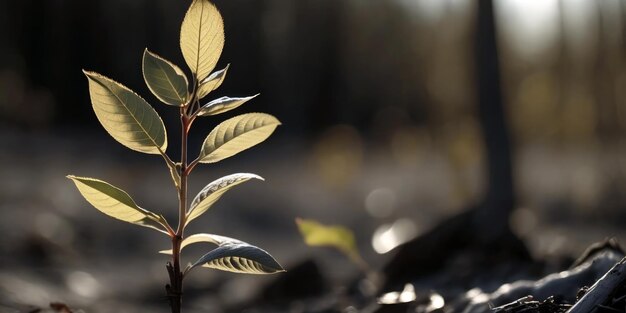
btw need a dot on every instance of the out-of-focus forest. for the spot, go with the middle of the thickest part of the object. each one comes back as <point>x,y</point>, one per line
<point>381,132</point>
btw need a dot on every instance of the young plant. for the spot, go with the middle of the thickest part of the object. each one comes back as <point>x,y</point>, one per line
<point>131,121</point>
<point>341,238</point>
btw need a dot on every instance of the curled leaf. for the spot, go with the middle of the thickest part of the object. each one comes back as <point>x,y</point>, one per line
<point>116,203</point>
<point>127,117</point>
<point>202,37</point>
<point>166,80</point>
<point>237,134</point>
<point>214,191</point>
<point>240,257</point>
<point>212,82</point>
<point>223,104</point>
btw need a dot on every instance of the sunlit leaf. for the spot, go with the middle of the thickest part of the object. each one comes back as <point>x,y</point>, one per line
<point>212,82</point>
<point>116,203</point>
<point>213,191</point>
<point>166,80</point>
<point>237,134</point>
<point>240,257</point>
<point>335,236</point>
<point>126,116</point>
<point>196,238</point>
<point>223,104</point>
<point>174,174</point>
<point>202,37</point>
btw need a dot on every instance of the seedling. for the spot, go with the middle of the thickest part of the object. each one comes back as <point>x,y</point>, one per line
<point>341,238</point>
<point>130,120</point>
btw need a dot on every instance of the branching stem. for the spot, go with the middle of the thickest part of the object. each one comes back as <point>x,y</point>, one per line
<point>175,288</point>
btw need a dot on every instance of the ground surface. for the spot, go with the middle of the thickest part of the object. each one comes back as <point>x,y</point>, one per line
<point>55,248</point>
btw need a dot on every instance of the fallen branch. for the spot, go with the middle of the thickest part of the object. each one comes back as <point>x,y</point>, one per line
<point>601,290</point>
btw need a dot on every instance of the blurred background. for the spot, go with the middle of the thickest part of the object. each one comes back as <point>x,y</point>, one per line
<point>381,132</point>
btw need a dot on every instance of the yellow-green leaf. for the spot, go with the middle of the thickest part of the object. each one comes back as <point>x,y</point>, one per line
<point>335,236</point>
<point>240,257</point>
<point>212,82</point>
<point>116,203</point>
<point>214,191</point>
<point>223,104</point>
<point>202,237</point>
<point>202,37</point>
<point>166,80</point>
<point>237,134</point>
<point>126,116</point>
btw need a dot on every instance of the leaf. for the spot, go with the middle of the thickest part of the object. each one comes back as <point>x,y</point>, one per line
<point>127,117</point>
<point>221,105</point>
<point>196,238</point>
<point>214,191</point>
<point>202,37</point>
<point>212,82</point>
<point>116,203</point>
<point>338,237</point>
<point>174,174</point>
<point>240,257</point>
<point>166,80</point>
<point>237,134</point>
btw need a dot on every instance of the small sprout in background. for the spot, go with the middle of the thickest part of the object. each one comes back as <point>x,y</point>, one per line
<point>338,237</point>
<point>134,123</point>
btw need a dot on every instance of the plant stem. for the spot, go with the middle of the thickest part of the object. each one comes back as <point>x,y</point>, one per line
<point>175,288</point>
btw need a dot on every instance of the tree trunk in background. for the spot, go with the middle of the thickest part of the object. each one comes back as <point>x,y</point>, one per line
<point>480,235</point>
<point>492,219</point>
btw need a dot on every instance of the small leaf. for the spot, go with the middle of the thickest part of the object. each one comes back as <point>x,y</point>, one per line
<point>127,117</point>
<point>338,237</point>
<point>166,80</point>
<point>240,257</point>
<point>221,105</point>
<point>214,191</point>
<point>196,238</point>
<point>202,37</point>
<point>116,203</point>
<point>237,134</point>
<point>212,82</point>
<point>175,175</point>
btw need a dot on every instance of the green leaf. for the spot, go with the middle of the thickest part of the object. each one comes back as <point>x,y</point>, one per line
<point>239,257</point>
<point>202,37</point>
<point>166,80</point>
<point>196,238</point>
<point>221,105</point>
<point>237,134</point>
<point>214,191</point>
<point>212,82</point>
<point>127,117</point>
<point>116,203</point>
<point>335,236</point>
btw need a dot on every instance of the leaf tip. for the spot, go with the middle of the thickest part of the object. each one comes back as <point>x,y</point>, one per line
<point>88,73</point>
<point>147,51</point>
<point>255,176</point>
<point>93,76</point>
